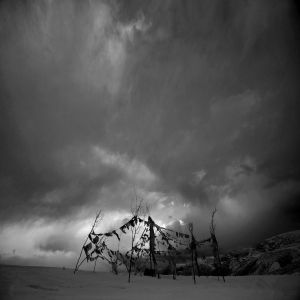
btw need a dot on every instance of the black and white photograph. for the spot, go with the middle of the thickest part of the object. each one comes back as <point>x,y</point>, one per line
<point>150,149</point>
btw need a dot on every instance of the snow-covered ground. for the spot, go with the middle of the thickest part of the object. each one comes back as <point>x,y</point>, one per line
<point>53,283</point>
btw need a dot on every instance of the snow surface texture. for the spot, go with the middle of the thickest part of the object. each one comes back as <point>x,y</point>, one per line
<point>53,283</point>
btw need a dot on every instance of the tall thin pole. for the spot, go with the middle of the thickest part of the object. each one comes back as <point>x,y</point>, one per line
<point>192,246</point>
<point>217,256</point>
<point>193,267</point>
<point>152,246</point>
<point>95,222</point>
<point>215,245</point>
<point>196,261</point>
<point>130,261</point>
<point>95,265</point>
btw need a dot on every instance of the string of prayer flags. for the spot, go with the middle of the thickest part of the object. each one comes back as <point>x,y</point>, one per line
<point>154,240</point>
<point>94,240</point>
<point>122,228</point>
<point>115,233</point>
<point>86,249</point>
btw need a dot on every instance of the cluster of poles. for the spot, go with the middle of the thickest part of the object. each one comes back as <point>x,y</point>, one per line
<point>153,235</point>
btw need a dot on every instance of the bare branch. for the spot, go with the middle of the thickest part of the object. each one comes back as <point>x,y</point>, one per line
<point>212,223</point>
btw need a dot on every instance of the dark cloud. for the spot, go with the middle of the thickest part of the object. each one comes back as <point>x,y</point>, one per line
<point>196,99</point>
<point>291,209</point>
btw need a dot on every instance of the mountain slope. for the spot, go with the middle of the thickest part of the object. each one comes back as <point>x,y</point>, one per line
<point>279,254</point>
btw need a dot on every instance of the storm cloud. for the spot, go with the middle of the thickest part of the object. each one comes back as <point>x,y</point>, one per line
<point>190,105</point>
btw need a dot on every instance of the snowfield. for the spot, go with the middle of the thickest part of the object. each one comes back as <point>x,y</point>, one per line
<point>53,283</point>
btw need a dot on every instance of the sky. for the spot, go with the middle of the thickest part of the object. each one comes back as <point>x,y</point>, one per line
<point>187,105</point>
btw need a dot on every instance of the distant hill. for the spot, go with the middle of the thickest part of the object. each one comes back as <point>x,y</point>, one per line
<point>279,254</point>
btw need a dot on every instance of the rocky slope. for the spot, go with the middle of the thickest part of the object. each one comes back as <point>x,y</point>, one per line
<point>279,254</point>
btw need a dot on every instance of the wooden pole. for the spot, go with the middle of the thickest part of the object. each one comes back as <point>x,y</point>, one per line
<point>192,246</point>
<point>130,262</point>
<point>81,263</point>
<point>215,244</point>
<point>150,260</point>
<point>152,245</point>
<point>193,267</point>
<point>196,261</point>
<point>217,257</point>
<point>95,265</point>
<point>95,222</point>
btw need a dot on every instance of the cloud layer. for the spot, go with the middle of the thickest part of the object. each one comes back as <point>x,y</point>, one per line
<point>189,105</point>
